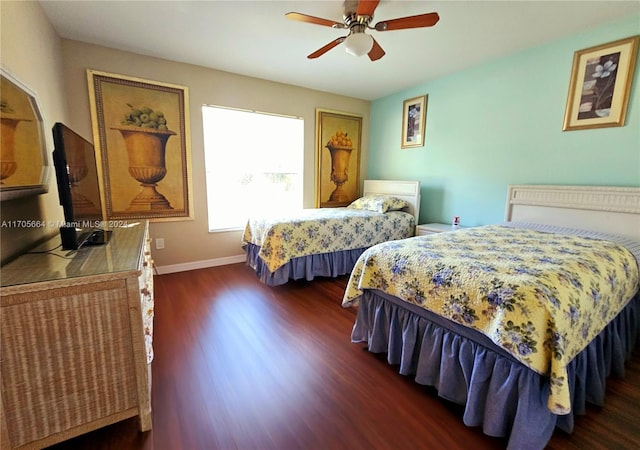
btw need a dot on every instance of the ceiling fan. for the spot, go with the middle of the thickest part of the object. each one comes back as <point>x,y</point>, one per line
<point>356,18</point>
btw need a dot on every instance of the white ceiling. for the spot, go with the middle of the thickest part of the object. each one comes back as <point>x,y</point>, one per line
<point>253,37</point>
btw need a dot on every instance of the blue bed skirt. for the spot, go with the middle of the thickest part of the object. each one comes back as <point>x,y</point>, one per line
<point>499,393</point>
<point>305,267</point>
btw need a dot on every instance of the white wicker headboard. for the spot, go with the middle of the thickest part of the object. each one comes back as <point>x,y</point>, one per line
<point>599,208</point>
<point>406,190</point>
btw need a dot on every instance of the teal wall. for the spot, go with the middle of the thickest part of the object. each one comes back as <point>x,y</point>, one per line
<point>499,124</point>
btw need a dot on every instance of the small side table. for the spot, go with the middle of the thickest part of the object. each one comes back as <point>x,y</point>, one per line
<point>431,228</point>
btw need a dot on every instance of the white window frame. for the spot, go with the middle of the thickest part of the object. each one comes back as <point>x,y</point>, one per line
<point>228,146</point>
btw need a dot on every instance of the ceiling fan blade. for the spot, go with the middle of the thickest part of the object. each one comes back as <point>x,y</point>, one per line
<point>367,7</point>
<point>315,20</point>
<point>326,48</point>
<point>421,20</point>
<point>376,51</point>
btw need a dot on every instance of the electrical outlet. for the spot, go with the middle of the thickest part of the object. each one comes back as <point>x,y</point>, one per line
<point>159,243</point>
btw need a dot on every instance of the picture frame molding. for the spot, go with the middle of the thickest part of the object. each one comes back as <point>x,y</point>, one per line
<point>96,100</point>
<point>624,81</point>
<point>323,171</point>
<point>422,122</point>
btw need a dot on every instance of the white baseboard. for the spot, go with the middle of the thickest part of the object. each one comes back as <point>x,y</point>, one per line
<point>171,268</point>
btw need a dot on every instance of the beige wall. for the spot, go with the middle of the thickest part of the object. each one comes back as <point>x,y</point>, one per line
<point>31,51</point>
<point>189,241</point>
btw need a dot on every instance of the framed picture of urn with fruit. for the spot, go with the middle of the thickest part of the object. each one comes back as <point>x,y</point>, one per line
<point>141,136</point>
<point>338,144</point>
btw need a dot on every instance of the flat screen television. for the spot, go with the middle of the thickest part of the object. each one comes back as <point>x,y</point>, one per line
<point>78,188</point>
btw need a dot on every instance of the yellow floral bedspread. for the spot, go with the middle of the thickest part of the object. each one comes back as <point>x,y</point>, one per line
<point>324,230</point>
<point>541,296</point>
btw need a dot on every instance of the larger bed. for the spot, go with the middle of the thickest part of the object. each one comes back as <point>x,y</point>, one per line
<point>520,322</point>
<point>328,241</point>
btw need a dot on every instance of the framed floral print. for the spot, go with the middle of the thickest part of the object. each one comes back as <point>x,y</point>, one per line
<point>414,119</point>
<point>600,84</point>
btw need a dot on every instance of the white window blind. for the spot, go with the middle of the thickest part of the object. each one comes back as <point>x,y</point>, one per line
<point>254,164</point>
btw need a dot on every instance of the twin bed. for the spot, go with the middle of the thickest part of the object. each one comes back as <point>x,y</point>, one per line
<point>327,241</point>
<point>520,322</point>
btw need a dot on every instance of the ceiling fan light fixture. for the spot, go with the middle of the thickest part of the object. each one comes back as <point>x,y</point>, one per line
<point>358,44</point>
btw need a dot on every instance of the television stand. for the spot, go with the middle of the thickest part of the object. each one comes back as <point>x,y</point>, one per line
<point>97,237</point>
<point>73,238</point>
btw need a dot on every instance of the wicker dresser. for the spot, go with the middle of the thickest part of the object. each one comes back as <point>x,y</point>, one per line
<point>75,347</point>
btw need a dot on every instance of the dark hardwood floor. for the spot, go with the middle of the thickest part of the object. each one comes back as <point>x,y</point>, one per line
<point>239,365</point>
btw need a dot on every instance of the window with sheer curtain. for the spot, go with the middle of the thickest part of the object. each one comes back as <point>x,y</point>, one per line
<point>253,163</point>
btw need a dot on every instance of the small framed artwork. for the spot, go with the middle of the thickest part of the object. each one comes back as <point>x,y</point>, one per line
<point>414,119</point>
<point>338,144</point>
<point>141,133</point>
<point>600,84</point>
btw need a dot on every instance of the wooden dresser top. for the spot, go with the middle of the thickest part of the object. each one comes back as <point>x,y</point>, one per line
<point>120,254</point>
